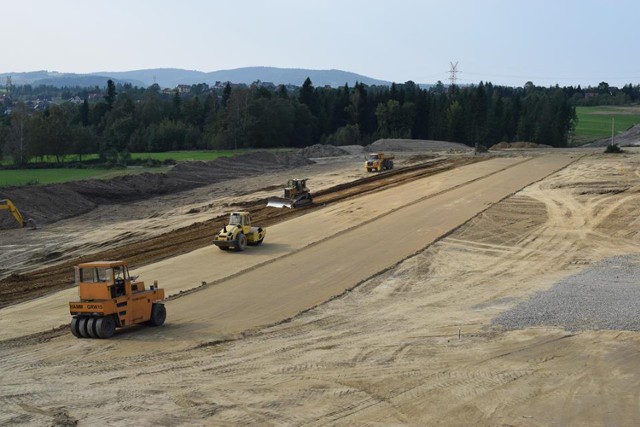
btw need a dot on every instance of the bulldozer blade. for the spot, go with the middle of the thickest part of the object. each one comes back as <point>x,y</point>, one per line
<point>279,204</point>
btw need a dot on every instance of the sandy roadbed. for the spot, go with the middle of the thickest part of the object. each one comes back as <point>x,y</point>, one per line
<point>414,345</point>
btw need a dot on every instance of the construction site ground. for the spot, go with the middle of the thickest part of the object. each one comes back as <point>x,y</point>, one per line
<point>400,298</point>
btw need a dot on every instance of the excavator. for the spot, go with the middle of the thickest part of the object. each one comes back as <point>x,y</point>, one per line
<point>6,204</point>
<point>296,194</point>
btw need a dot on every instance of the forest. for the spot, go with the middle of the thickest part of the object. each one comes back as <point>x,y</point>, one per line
<point>124,119</point>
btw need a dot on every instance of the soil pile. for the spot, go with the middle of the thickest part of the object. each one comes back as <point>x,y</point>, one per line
<point>519,144</point>
<point>320,150</point>
<point>415,145</point>
<point>49,203</point>
<point>630,137</point>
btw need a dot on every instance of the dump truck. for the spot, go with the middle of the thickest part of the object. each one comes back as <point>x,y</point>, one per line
<point>296,194</point>
<point>378,162</point>
<point>239,233</point>
<point>6,204</point>
<point>110,298</point>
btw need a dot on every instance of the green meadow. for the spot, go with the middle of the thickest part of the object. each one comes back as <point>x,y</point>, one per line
<point>12,177</point>
<point>595,122</point>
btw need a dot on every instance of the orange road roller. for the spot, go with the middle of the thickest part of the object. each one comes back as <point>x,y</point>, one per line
<point>110,298</point>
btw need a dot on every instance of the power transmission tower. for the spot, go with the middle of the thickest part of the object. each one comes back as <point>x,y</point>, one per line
<point>452,73</point>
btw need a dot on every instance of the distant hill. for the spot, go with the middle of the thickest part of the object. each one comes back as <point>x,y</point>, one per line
<point>53,78</point>
<point>171,77</point>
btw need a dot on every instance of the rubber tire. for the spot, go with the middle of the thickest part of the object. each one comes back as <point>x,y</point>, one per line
<point>75,327</point>
<point>91,327</point>
<point>158,314</point>
<point>105,327</point>
<point>241,242</point>
<point>390,165</point>
<point>82,327</point>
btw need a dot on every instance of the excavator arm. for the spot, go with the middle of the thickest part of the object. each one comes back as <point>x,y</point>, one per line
<point>6,204</point>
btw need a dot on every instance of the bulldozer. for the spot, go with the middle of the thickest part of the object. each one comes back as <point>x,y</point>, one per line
<point>6,204</point>
<point>296,194</point>
<point>239,233</point>
<point>378,162</point>
<point>110,298</point>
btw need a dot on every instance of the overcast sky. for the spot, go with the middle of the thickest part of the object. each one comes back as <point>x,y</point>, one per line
<point>567,42</point>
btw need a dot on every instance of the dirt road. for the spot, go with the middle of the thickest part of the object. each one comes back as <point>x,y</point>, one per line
<point>349,242</point>
<point>413,345</point>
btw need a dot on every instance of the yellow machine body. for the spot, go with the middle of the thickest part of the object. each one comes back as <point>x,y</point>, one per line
<point>377,162</point>
<point>239,233</point>
<point>296,194</point>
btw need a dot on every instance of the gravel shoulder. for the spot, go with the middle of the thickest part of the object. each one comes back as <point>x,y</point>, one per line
<point>603,297</point>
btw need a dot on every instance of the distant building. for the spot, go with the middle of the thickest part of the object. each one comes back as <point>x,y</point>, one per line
<point>75,100</point>
<point>183,89</point>
<point>41,105</point>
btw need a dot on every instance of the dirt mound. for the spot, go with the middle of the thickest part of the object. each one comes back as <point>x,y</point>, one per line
<point>353,150</point>
<point>49,203</point>
<point>518,144</point>
<point>415,145</point>
<point>320,150</point>
<point>627,138</point>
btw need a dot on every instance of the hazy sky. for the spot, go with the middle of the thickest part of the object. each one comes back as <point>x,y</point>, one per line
<point>567,42</point>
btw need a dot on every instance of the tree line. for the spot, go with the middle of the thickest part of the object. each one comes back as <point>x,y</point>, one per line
<point>130,119</point>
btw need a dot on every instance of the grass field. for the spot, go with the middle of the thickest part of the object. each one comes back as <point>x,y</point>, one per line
<point>595,122</point>
<point>175,155</point>
<point>13,177</point>
<point>18,177</point>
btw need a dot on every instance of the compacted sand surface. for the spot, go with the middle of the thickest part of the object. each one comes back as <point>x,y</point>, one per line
<point>375,310</point>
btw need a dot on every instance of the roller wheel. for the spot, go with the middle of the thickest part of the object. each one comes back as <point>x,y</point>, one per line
<point>82,327</point>
<point>75,327</point>
<point>259,242</point>
<point>224,248</point>
<point>91,327</point>
<point>390,165</point>
<point>158,314</point>
<point>241,242</point>
<point>105,327</point>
